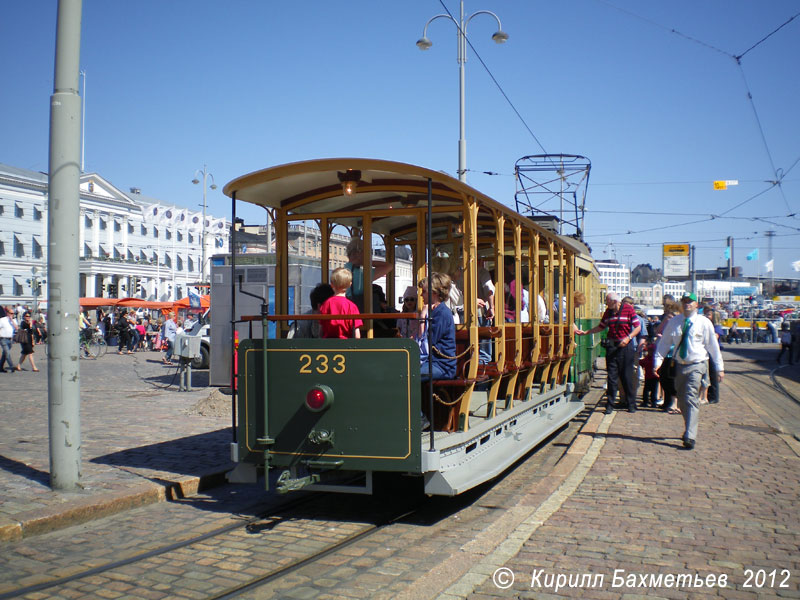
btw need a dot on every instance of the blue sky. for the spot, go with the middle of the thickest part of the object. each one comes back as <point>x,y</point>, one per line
<point>244,84</point>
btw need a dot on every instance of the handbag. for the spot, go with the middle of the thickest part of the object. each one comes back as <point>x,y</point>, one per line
<point>668,367</point>
<point>20,336</point>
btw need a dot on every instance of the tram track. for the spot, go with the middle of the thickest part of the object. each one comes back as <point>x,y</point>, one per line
<point>220,531</point>
<point>356,520</point>
<point>777,414</point>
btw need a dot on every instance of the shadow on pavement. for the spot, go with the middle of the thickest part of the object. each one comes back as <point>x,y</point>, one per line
<point>669,442</point>
<point>19,468</point>
<point>192,455</point>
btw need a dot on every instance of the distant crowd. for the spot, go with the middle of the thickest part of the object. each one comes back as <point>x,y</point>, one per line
<point>130,330</point>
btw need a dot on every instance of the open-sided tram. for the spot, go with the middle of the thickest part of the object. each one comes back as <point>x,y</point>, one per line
<point>329,413</point>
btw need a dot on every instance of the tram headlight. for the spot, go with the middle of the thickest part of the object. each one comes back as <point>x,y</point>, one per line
<point>319,398</point>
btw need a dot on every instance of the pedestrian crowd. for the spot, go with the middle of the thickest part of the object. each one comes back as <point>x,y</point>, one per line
<point>678,357</point>
<point>131,330</point>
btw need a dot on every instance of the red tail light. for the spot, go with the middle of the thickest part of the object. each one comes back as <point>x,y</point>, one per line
<point>319,398</point>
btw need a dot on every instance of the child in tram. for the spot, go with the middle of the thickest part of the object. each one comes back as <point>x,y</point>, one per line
<point>341,279</point>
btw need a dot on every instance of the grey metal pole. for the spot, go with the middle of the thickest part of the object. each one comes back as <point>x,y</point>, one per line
<point>694,274</point>
<point>462,58</point>
<point>203,238</point>
<point>63,373</point>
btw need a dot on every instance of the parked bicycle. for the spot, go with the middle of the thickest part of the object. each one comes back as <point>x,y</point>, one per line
<point>94,346</point>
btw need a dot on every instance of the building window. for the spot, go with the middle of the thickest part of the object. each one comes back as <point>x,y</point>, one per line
<point>191,265</point>
<point>2,250</point>
<point>19,248</point>
<point>17,288</point>
<point>191,239</point>
<point>102,223</point>
<point>87,251</point>
<point>117,226</point>
<point>130,228</point>
<point>37,249</point>
<point>87,221</point>
<point>180,236</point>
<point>37,214</point>
<point>169,234</point>
<point>155,232</point>
<point>117,255</point>
<point>167,261</point>
<point>143,230</point>
<point>18,211</point>
<point>180,264</point>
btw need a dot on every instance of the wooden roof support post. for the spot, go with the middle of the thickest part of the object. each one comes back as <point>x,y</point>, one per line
<point>391,293</point>
<point>366,270</point>
<point>325,259</point>
<point>518,291</point>
<point>499,293</point>
<point>281,270</point>
<point>550,294</point>
<point>533,293</point>
<point>471,280</point>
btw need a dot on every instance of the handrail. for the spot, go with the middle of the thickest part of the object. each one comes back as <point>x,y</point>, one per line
<point>315,317</point>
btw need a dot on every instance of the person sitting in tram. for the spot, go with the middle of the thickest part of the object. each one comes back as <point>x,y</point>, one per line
<point>440,362</point>
<point>355,264</point>
<point>338,304</point>
<point>311,328</point>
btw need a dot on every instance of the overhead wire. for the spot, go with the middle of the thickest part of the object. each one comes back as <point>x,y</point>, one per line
<point>737,58</point>
<point>779,176</point>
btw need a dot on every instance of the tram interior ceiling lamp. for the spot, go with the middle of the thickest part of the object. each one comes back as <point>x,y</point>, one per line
<point>350,180</point>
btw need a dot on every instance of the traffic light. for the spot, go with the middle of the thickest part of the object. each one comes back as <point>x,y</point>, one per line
<point>112,290</point>
<point>138,284</point>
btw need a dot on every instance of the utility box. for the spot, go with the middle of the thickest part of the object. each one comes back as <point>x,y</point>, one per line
<point>187,346</point>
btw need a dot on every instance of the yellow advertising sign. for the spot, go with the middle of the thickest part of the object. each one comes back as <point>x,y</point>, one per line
<point>723,185</point>
<point>676,249</point>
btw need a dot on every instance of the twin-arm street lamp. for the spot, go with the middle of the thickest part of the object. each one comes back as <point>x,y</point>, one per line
<point>205,175</point>
<point>424,43</point>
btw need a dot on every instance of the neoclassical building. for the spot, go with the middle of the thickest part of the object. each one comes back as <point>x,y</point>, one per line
<point>130,245</point>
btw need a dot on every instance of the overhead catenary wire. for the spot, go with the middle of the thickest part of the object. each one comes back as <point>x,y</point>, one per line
<point>737,58</point>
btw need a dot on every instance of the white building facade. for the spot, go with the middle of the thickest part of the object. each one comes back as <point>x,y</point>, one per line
<point>129,246</point>
<point>616,277</point>
<point>723,291</point>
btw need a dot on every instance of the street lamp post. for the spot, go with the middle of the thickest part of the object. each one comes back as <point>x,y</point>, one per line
<point>206,175</point>
<point>424,43</point>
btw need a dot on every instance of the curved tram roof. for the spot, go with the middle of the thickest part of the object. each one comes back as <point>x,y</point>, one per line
<point>310,188</point>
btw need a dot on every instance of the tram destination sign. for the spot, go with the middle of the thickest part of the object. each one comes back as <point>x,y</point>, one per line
<point>676,260</point>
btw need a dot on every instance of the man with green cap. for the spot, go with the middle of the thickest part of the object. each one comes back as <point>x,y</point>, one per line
<point>694,340</point>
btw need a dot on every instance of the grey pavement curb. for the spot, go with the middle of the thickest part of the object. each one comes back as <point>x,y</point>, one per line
<point>96,506</point>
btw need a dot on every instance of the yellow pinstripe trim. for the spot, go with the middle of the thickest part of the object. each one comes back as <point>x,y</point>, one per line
<point>296,350</point>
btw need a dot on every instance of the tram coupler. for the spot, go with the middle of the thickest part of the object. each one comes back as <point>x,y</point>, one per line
<point>287,484</point>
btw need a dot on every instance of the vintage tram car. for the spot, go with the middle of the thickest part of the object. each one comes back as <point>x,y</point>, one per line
<point>329,413</point>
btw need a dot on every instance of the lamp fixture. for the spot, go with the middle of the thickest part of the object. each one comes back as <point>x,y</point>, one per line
<point>350,180</point>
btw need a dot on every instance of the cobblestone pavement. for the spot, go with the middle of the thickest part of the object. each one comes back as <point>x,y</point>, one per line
<point>141,440</point>
<point>622,495</point>
<point>649,508</point>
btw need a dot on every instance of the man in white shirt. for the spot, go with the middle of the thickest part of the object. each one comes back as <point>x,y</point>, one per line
<point>693,337</point>
<point>7,329</point>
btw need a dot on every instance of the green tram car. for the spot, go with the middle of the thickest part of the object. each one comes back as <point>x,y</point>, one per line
<point>329,413</point>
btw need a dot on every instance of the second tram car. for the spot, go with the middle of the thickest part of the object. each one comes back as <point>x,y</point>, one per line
<point>329,413</point>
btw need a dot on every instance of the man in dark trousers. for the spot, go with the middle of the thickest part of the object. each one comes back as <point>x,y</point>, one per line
<point>623,326</point>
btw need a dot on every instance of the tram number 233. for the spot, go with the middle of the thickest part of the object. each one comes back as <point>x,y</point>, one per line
<point>322,363</point>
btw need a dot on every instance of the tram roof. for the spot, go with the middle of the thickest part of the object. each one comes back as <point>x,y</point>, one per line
<point>314,187</point>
